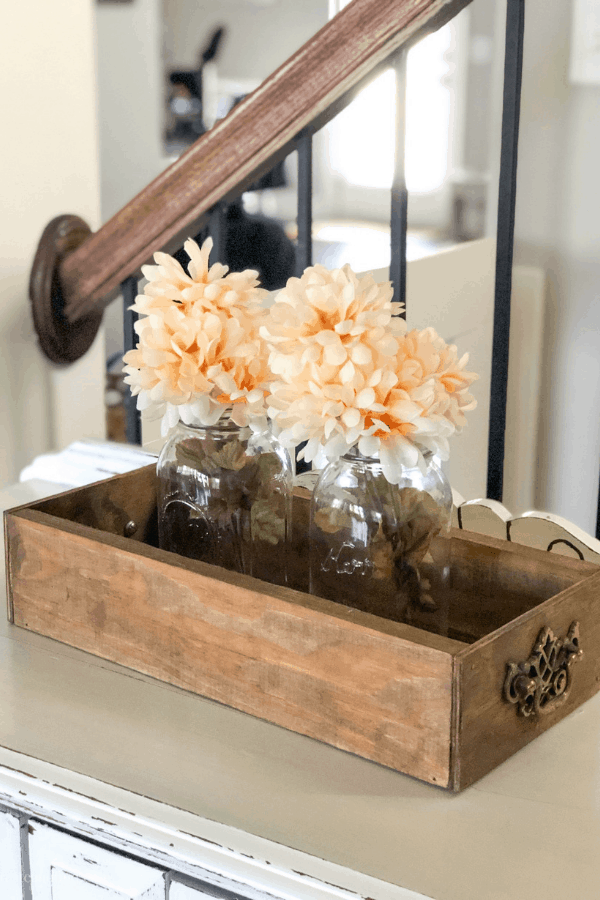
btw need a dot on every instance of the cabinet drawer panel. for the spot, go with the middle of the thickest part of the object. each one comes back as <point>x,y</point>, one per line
<point>64,867</point>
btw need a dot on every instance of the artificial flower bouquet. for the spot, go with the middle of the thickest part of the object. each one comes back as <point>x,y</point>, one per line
<point>330,365</point>
<point>199,353</point>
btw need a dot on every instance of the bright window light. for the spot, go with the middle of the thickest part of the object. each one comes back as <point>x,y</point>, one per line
<point>428,110</point>
<point>362,137</point>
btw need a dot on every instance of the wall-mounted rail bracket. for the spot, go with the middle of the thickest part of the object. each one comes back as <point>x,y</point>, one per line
<point>62,341</point>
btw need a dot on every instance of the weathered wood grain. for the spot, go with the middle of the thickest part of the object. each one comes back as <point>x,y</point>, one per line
<point>334,674</point>
<point>496,581</point>
<point>489,729</point>
<point>124,505</point>
<point>307,90</point>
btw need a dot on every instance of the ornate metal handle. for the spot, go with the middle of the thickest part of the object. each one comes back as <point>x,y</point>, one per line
<point>539,683</point>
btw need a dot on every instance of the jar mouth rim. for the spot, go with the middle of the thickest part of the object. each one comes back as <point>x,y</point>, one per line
<point>354,455</point>
<point>218,426</point>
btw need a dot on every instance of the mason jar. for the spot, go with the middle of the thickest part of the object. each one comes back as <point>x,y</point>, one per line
<point>379,547</point>
<point>224,497</point>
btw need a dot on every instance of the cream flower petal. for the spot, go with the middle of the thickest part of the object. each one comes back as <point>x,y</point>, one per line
<point>334,447</point>
<point>144,401</point>
<point>405,411</point>
<point>328,338</point>
<point>347,372</point>
<point>351,417</point>
<point>365,398</point>
<point>380,425</point>
<point>361,355</point>
<point>239,414</point>
<point>335,355</point>
<point>330,427</point>
<point>352,435</point>
<point>311,450</point>
<point>395,452</point>
<point>368,445</point>
<point>216,410</point>
<point>172,415</point>
<point>201,406</point>
<point>198,265</point>
<point>332,408</point>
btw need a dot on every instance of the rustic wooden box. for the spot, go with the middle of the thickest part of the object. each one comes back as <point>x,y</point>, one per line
<point>444,710</point>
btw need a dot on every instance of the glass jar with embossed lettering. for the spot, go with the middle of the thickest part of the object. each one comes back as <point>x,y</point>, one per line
<point>381,547</point>
<point>224,497</point>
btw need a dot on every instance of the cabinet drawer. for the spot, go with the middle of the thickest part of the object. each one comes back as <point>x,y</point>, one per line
<point>64,867</point>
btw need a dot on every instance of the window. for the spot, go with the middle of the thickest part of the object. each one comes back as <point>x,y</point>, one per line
<point>361,139</point>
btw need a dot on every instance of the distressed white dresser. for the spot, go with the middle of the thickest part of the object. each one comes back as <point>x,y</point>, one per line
<point>113,785</point>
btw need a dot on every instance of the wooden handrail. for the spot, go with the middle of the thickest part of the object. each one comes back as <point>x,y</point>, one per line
<point>303,94</point>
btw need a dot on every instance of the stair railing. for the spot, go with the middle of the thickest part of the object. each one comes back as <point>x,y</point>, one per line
<point>76,273</point>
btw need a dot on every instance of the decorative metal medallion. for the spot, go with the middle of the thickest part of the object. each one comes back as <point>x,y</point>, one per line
<point>542,681</point>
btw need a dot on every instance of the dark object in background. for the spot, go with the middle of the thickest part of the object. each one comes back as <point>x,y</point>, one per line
<point>212,48</point>
<point>185,101</point>
<point>275,178</point>
<point>256,242</point>
<point>252,242</point>
<point>185,108</point>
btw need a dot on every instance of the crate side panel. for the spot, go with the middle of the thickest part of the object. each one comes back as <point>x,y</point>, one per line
<point>495,565</point>
<point>494,583</point>
<point>490,729</point>
<point>123,505</point>
<point>370,693</point>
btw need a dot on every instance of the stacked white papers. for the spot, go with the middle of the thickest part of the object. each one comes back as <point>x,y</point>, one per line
<point>85,462</point>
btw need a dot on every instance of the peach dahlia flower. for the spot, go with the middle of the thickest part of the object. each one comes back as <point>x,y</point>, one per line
<point>199,351</point>
<point>333,323</point>
<point>347,374</point>
<point>425,395</point>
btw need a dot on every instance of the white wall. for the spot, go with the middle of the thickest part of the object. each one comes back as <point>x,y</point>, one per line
<point>558,227</point>
<point>259,38</point>
<point>130,99</point>
<point>130,114</point>
<point>48,166</point>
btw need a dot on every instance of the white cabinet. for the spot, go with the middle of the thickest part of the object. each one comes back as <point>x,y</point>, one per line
<point>64,867</point>
<point>10,857</point>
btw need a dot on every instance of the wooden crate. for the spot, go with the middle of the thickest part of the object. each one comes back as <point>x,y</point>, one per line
<point>84,568</point>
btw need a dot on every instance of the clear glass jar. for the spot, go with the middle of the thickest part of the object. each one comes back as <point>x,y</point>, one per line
<point>224,497</point>
<point>381,547</point>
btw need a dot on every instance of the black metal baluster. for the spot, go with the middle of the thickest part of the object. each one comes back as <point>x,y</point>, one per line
<point>399,211</point>
<point>513,65</point>
<point>304,213</point>
<point>133,419</point>
<point>304,223</point>
<point>217,228</point>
